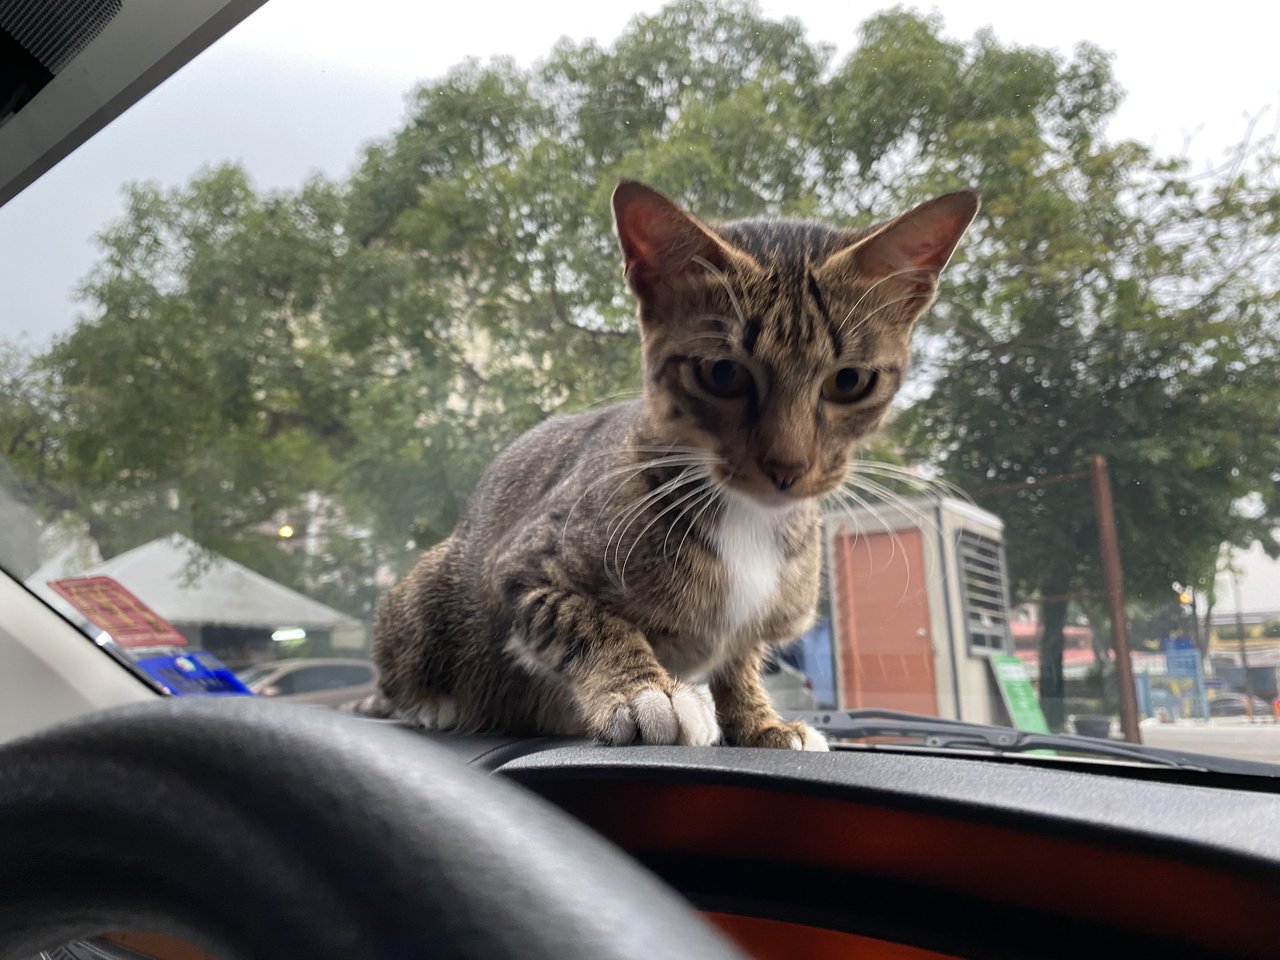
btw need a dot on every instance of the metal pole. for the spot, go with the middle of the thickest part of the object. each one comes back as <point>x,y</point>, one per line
<point>1195,620</point>
<point>1113,578</point>
<point>1244,652</point>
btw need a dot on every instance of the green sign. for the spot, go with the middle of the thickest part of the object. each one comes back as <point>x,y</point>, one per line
<point>1018,694</point>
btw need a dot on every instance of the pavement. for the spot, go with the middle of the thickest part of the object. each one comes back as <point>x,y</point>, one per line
<point>1236,737</point>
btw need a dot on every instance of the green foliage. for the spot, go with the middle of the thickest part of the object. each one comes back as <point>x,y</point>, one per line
<point>376,340</point>
<point>1150,624</point>
<point>23,438</point>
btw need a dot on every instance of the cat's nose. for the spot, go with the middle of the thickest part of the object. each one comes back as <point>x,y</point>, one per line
<point>784,474</point>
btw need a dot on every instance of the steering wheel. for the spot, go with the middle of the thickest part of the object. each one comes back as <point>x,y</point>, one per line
<point>264,830</point>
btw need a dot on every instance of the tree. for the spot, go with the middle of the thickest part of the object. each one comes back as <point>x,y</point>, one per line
<point>1127,315</point>
<point>201,395</point>
<point>24,434</point>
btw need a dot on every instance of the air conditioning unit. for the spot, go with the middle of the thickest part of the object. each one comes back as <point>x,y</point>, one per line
<point>917,603</point>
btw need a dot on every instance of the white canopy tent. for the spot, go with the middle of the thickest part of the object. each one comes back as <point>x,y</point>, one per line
<point>194,589</point>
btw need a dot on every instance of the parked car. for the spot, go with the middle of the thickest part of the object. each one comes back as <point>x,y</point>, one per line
<point>788,687</point>
<point>331,681</point>
<point>1237,705</point>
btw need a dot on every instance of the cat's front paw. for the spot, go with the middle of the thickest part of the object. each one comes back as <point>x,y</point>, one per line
<point>652,715</point>
<point>796,735</point>
<point>436,713</point>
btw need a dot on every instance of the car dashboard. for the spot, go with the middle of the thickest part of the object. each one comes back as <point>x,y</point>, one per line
<point>899,854</point>
<point>913,855</point>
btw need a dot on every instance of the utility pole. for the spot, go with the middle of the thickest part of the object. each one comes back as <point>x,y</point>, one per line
<point>1195,620</point>
<point>1113,580</point>
<point>1244,651</point>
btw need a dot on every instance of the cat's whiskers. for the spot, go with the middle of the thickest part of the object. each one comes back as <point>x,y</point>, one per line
<point>704,460</point>
<point>724,282</point>
<point>919,517</point>
<point>622,570</point>
<point>895,541</point>
<point>621,525</point>
<point>715,336</point>
<point>850,489</point>
<point>858,512</point>
<point>847,490</point>
<point>857,480</point>
<point>709,496</point>
<point>881,492</point>
<point>640,504</point>
<point>862,473</point>
<point>884,306</point>
<point>665,456</point>
<point>618,525</point>
<point>710,490</point>
<point>935,486</point>
<point>923,520</point>
<point>675,460</point>
<point>621,395</point>
<point>634,509</point>
<point>628,474</point>
<point>715,497</point>
<point>866,293</point>
<point>885,496</point>
<point>843,504</point>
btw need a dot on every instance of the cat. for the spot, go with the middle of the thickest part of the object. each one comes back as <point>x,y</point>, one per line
<point>620,573</point>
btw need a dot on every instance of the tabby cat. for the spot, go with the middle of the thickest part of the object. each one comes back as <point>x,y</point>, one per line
<point>611,563</point>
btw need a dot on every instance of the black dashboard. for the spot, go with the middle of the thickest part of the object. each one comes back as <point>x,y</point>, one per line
<point>950,855</point>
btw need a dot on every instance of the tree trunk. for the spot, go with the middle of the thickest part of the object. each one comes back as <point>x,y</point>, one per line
<point>102,534</point>
<point>1052,688</point>
<point>1195,624</point>
<point>1202,638</point>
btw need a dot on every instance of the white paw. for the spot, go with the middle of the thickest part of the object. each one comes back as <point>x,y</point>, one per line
<point>438,714</point>
<point>651,716</point>
<point>696,712</point>
<point>811,739</point>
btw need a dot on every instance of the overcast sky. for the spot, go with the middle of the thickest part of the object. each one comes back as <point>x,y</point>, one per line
<point>302,84</point>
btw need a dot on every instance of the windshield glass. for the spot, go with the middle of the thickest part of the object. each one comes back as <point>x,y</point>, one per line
<point>261,337</point>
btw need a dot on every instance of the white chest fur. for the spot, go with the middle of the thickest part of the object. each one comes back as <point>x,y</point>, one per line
<point>748,542</point>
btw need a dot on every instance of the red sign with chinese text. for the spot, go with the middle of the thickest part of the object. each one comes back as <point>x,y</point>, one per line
<point>110,607</point>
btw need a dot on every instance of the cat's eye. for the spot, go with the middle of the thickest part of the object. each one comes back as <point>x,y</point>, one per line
<point>849,385</point>
<point>723,378</point>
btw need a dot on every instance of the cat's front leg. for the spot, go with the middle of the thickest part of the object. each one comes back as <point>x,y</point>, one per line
<point>746,714</point>
<point>623,693</point>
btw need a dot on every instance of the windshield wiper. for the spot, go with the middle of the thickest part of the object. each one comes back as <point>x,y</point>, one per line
<point>943,733</point>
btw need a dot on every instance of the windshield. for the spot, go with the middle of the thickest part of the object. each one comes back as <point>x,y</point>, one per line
<point>261,338</point>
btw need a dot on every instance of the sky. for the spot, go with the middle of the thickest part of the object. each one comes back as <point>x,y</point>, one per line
<point>301,85</point>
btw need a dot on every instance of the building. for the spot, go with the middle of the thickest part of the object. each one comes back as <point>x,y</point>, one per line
<point>1245,622</point>
<point>918,601</point>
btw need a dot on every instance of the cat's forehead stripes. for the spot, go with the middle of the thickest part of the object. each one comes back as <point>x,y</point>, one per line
<point>795,311</point>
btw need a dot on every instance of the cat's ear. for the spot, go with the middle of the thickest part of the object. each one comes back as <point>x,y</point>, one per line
<point>909,251</point>
<point>659,240</point>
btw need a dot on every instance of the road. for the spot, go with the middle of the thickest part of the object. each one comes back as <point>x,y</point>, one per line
<point>1227,737</point>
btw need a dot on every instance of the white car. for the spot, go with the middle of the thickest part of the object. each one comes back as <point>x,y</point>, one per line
<point>788,687</point>
<point>328,681</point>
